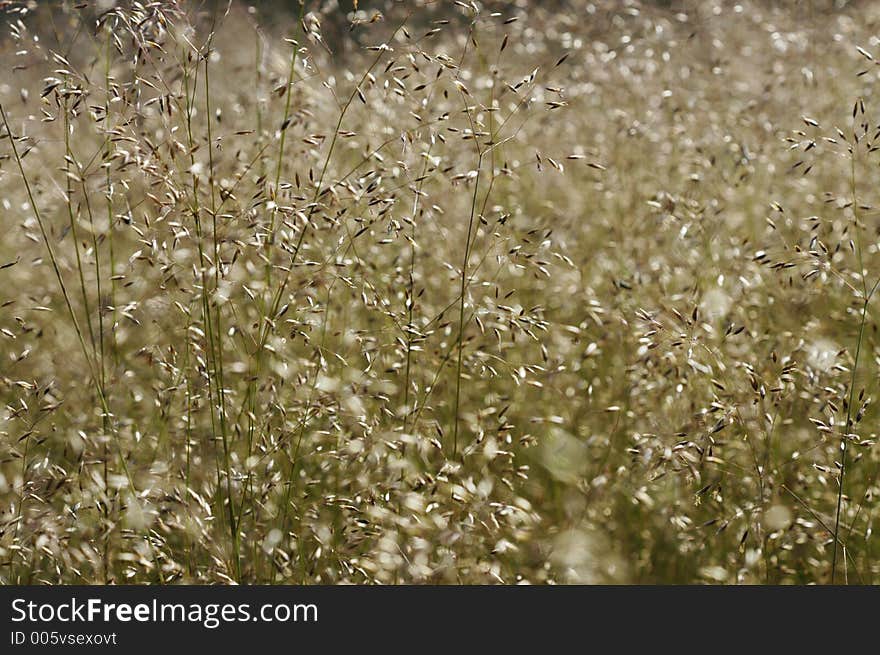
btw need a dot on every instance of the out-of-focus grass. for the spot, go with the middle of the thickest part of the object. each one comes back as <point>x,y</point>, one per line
<point>511,293</point>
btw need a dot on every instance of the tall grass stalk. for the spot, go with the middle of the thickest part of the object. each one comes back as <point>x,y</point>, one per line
<point>95,379</point>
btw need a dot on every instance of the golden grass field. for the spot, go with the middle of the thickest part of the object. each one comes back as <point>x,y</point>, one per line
<point>575,292</point>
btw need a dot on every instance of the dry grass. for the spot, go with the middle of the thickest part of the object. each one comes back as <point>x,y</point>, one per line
<point>503,293</point>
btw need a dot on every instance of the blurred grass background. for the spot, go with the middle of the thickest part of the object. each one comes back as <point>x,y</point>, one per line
<point>538,293</point>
